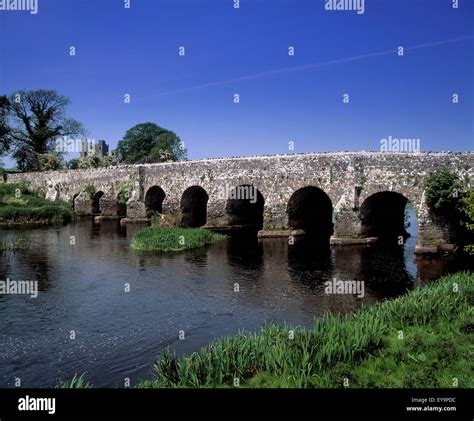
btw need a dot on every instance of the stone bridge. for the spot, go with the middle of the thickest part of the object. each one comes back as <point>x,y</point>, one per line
<point>348,197</point>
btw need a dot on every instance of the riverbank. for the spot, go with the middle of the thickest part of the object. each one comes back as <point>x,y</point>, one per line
<point>422,339</point>
<point>20,206</point>
<point>172,238</point>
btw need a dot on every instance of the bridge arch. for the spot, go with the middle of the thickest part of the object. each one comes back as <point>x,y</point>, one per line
<point>96,208</point>
<point>154,201</point>
<point>194,207</point>
<point>121,205</point>
<point>383,215</point>
<point>73,200</point>
<point>244,206</point>
<point>311,210</point>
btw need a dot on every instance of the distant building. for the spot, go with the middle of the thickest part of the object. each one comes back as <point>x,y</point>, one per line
<point>99,148</point>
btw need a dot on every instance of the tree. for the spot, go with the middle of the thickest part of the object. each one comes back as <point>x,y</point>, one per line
<point>4,129</point>
<point>36,119</point>
<point>147,143</point>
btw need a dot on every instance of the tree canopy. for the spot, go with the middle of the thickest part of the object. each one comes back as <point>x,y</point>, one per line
<point>30,124</point>
<point>148,143</point>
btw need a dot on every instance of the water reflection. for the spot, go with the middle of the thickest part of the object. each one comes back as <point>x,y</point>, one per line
<point>309,264</point>
<point>384,271</point>
<point>245,251</point>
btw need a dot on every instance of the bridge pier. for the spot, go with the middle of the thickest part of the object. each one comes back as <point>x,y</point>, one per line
<point>136,209</point>
<point>435,234</point>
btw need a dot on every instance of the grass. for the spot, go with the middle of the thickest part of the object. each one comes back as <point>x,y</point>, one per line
<point>77,382</point>
<point>172,238</point>
<point>366,348</point>
<point>19,205</point>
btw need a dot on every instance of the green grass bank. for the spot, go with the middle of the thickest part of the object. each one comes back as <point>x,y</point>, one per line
<point>172,238</point>
<point>422,339</point>
<point>20,206</point>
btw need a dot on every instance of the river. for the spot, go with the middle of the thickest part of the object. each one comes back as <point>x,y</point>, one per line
<point>124,307</point>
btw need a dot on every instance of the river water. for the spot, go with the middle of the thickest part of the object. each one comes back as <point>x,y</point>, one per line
<point>84,269</point>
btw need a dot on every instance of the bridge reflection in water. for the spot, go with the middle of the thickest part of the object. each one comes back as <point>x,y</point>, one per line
<point>239,283</point>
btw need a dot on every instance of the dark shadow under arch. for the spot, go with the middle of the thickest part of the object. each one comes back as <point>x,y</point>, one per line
<point>154,201</point>
<point>310,209</point>
<point>73,201</point>
<point>96,202</point>
<point>194,207</point>
<point>382,215</point>
<point>121,207</point>
<point>244,207</point>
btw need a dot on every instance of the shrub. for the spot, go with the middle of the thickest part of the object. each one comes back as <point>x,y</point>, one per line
<point>73,164</point>
<point>109,161</point>
<point>442,190</point>
<point>50,162</point>
<point>89,162</point>
<point>467,209</point>
<point>90,190</point>
<point>124,193</point>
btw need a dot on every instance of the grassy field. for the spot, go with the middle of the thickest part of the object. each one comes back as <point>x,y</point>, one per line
<point>422,339</point>
<point>172,238</point>
<point>18,205</point>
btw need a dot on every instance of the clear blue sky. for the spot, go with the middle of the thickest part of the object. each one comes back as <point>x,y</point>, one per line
<point>135,51</point>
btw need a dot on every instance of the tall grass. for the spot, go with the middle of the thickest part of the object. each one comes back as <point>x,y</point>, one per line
<point>172,238</point>
<point>299,356</point>
<point>77,382</point>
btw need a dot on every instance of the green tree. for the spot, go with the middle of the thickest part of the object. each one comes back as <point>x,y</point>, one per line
<point>147,143</point>
<point>442,191</point>
<point>35,120</point>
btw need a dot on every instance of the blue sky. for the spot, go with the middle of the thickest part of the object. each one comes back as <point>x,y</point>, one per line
<point>245,51</point>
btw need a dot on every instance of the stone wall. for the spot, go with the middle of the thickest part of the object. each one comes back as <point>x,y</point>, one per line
<point>348,178</point>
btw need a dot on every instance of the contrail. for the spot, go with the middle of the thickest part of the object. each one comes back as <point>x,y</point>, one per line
<point>306,67</point>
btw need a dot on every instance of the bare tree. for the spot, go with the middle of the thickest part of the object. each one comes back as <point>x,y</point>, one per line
<point>36,119</point>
